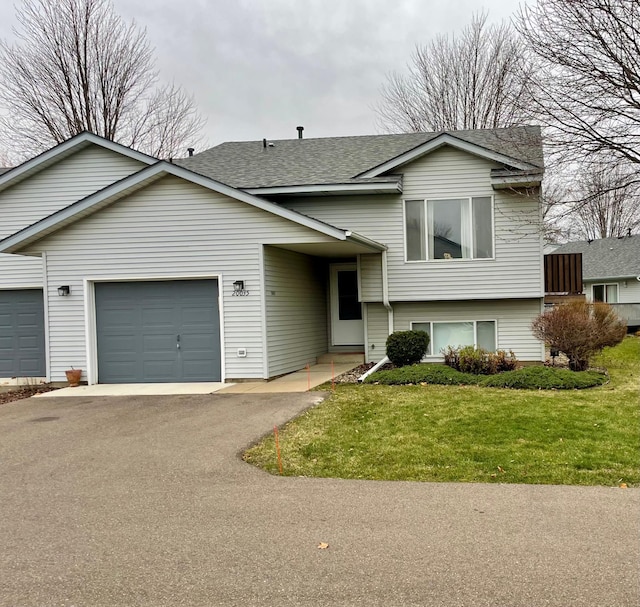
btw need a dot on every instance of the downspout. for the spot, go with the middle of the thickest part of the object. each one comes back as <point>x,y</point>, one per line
<point>387,305</point>
<point>385,291</point>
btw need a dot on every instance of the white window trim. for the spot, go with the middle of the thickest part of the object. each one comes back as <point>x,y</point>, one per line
<point>605,285</point>
<point>455,260</point>
<point>475,331</point>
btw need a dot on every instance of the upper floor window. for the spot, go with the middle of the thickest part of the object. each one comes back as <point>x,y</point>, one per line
<point>606,293</point>
<point>460,228</point>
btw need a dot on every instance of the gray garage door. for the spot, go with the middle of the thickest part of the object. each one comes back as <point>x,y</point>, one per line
<point>165,331</point>
<point>22,334</point>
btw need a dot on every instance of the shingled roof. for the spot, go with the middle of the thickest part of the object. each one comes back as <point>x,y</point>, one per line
<point>607,257</point>
<point>332,160</point>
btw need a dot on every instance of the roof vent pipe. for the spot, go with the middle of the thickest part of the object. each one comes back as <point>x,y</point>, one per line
<point>191,151</point>
<point>300,129</point>
<point>264,144</point>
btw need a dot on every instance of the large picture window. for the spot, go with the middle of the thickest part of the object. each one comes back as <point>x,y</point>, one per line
<point>459,228</point>
<point>477,333</point>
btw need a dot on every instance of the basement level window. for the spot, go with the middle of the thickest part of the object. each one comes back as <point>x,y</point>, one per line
<point>477,333</point>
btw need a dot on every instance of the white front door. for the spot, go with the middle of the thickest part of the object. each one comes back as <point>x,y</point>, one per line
<point>347,326</point>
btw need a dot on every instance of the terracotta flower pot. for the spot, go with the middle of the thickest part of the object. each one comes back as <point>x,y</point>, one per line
<point>73,377</point>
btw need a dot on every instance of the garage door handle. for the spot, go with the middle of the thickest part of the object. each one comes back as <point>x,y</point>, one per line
<point>178,342</point>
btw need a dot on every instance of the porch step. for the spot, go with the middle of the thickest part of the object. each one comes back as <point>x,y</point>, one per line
<point>341,357</point>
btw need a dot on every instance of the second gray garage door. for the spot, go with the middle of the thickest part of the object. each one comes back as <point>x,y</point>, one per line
<point>161,331</point>
<point>22,333</point>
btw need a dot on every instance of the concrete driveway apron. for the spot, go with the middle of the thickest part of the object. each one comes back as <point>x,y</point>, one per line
<point>144,501</point>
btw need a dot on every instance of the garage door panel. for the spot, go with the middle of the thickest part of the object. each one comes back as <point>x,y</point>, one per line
<point>155,317</point>
<point>159,343</point>
<point>116,318</point>
<point>22,349</point>
<point>29,342</point>
<point>159,371</point>
<point>119,343</point>
<point>161,316</point>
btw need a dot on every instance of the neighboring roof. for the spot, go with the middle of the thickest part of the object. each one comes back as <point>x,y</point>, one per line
<point>16,174</point>
<point>340,160</point>
<point>608,257</point>
<point>110,194</point>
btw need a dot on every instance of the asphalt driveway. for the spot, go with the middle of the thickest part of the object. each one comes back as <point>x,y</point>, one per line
<point>144,501</point>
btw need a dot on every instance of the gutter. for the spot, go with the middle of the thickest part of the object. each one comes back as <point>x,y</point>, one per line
<point>363,240</point>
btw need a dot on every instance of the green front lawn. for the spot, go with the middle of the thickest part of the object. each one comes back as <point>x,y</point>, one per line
<point>470,433</point>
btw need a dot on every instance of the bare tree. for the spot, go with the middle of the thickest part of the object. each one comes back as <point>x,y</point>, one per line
<point>76,65</point>
<point>587,81</point>
<point>607,203</point>
<point>478,79</point>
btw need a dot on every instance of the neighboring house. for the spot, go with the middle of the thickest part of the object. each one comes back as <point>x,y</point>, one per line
<point>250,260</point>
<point>611,272</point>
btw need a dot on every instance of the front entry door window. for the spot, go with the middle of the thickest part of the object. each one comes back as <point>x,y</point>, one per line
<point>346,311</point>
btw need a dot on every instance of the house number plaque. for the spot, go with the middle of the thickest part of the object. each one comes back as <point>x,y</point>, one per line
<point>240,293</point>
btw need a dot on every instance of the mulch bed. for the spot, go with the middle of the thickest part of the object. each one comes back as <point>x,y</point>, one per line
<point>351,377</point>
<point>21,392</point>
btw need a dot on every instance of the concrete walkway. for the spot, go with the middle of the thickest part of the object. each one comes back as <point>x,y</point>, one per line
<point>300,381</point>
<point>144,501</point>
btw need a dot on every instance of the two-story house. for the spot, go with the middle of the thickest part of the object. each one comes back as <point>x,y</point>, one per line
<point>249,260</point>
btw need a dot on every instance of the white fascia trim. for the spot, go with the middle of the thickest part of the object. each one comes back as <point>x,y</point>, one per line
<point>363,240</point>
<point>528,181</point>
<point>64,149</point>
<point>334,188</point>
<point>86,206</point>
<point>610,278</point>
<point>437,142</point>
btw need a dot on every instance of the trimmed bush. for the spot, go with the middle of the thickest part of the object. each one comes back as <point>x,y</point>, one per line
<point>580,330</point>
<point>528,378</point>
<point>422,374</point>
<point>545,378</point>
<point>479,361</point>
<point>407,347</point>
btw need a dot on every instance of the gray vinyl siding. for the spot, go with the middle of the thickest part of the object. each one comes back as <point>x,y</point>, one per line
<point>515,272</point>
<point>377,331</point>
<point>296,310</point>
<point>48,191</point>
<point>371,277</point>
<point>513,318</point>
<point>20,272</point>
<point>60,185</point>
<point>170,229</point>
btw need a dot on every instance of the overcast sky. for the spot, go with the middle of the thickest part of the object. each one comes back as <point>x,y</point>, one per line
<point>259,68</point>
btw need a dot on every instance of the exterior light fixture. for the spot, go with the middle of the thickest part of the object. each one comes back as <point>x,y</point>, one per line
<point>64,291</point>
<point>238,286</point>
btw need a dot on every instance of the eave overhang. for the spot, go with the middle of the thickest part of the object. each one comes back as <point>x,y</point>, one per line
<point>107,196</point>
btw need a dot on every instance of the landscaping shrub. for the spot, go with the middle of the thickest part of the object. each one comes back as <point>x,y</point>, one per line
<point>422,374</point>
<point>479,361</point>
<point>407,347</point>
<point>579,329</point>
<point>528,378</point>
<point>545,378</point>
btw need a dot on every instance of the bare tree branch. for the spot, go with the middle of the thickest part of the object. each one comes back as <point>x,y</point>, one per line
<point>587,83</point>
<point>479,79</point>
<point>76,65</point>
